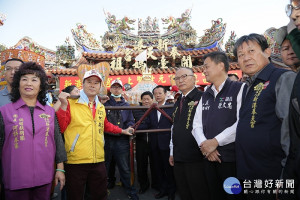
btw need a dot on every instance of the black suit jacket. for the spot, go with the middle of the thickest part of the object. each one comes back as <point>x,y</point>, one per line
<point>160,140</point>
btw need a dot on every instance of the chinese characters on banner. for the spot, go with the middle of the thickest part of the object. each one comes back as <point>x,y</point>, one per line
<point>26,56</point>
<point>160,79</point>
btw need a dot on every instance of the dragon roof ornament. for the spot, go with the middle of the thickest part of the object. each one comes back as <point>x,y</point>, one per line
<point>118,26</point>
<point>83,38</point>
<point>178,32</point>
<point>229,45</point>
<point>215,33</point>
<point>178,24</point>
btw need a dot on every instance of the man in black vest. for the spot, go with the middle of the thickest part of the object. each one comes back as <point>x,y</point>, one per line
<point>185,154</point>
<point>215,124</point>
<point>262,139</point>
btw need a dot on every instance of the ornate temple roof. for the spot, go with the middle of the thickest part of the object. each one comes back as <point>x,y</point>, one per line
<point>122,44</point>
<point>177,46</point>
<point>27,43</point>
<point>178,32</point>
<point>119,42</point>
<point>73,71</point>
<point>121,52</point>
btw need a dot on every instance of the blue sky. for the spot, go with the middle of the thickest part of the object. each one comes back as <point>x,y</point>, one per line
<point>49,22</point>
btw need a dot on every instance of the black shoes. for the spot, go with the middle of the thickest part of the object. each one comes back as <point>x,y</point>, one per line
<point>160,195</point>
<point>171,196</point>
<point>142,190</point>
<point>111,185</point>
<point>133,197</point>
<point>155,187</point>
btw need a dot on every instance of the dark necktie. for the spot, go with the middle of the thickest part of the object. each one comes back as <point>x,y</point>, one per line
<point>181,103</point>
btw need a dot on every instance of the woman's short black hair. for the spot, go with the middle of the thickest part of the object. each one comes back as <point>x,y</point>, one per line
<point>30,68</point>
<point>147,93</point>
<point>69,89</point>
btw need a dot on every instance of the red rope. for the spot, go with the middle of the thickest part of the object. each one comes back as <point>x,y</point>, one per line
<point>152,107</point>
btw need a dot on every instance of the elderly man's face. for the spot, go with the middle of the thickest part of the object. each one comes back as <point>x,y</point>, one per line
<point>10,68</point>
<point>287,54</point>
<point>185,83</point>
<point>251,58</point>
<point>296,13</point>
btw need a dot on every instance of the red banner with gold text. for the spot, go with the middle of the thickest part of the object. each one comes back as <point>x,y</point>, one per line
<point>159,79</point>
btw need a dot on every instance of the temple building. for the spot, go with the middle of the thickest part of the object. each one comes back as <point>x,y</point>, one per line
<point>130,47</point>
<point>28,44</point>
<point>129,54</point>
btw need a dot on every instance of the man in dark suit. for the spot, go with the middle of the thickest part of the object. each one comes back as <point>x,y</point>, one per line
<point>159,142</point>
<point>185,154</point>
<point>143,150</point>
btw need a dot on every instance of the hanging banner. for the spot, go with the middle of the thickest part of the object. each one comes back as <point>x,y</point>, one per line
<point>24,55</point>
<point>159,79</point>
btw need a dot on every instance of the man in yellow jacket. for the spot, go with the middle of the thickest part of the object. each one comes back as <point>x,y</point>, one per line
<point>83,122</point>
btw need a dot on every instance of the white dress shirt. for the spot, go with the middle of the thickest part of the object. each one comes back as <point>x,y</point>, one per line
<point>159,113</point>
<point>227,136</point>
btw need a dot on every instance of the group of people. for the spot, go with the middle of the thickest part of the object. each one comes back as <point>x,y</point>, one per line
<point>248,130</point>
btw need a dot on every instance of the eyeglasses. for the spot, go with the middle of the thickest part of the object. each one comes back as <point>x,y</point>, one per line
<point>183,77</point>
<point>295,4</point>
<point>116,87</point>
<point>12,68</point>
